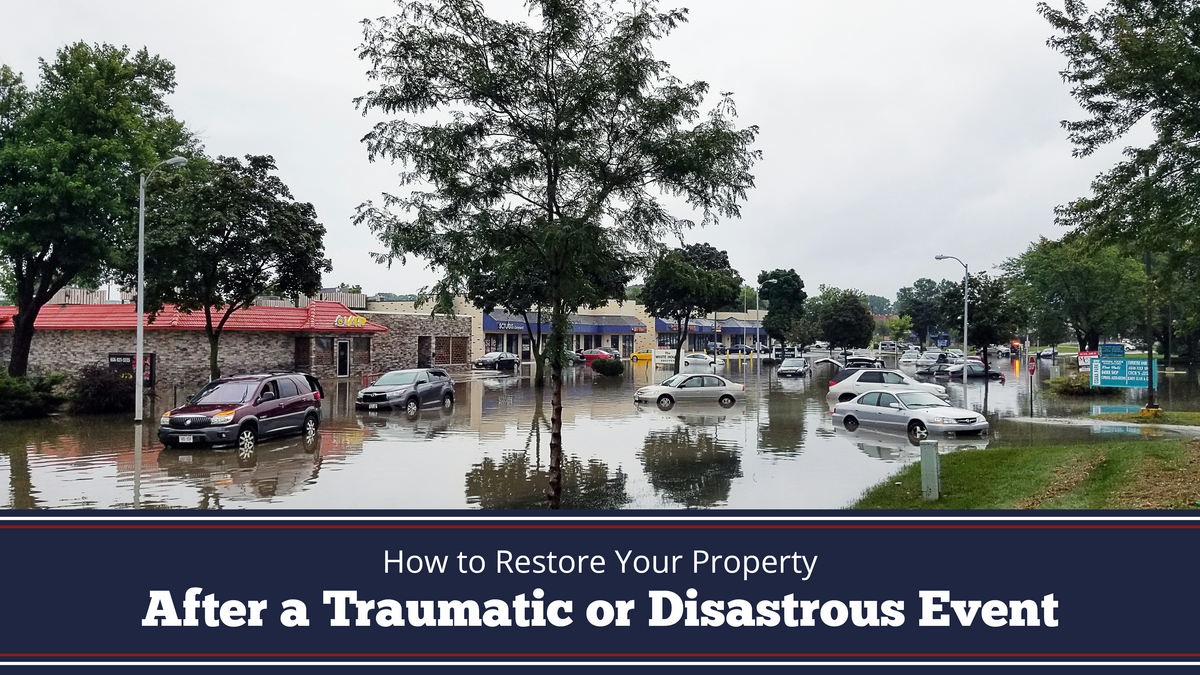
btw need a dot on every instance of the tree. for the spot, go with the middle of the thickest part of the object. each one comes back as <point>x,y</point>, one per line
<point>225,233</point>
<point>899,327</point>
<point>879,304</point>
<point>921,303</point>
<point>1096,290</point>
<point>786,295</point>
<point>70,154</point>
<point>552,138</point>
<point>993,315</point>
<point>688,283</point>
<point>634,292</point>
<point>846,321</point>
<point>347,288</point>
<point>746,300</point>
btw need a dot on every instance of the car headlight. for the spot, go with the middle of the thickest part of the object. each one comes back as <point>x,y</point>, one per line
<point>165,420</point>
<point>943,420</point>
<point>395,393</point>
<point>359,396</point>
<point>223,417</point>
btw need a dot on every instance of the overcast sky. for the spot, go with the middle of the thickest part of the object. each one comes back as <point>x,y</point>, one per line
<point>891,130</point>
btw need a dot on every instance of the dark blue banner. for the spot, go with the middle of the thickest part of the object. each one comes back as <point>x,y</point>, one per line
<point>459,589</point>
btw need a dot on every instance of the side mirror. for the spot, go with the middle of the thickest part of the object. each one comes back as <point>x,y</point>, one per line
<point>266,396</point>
<point>894,405</point>
<point>422,381</point>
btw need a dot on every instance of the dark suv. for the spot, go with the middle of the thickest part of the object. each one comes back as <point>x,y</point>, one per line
<point>408,390</point>
<point>244,408</point>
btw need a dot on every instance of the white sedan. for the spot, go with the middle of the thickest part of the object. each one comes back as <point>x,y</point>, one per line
<point>910,357</point>
<point>690,387</point>
<point>698,359</point>
<point>916,412</point>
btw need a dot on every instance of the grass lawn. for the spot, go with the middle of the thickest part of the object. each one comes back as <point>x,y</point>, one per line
<point>1134,475</point>
<point>1068,348</point>
<point>1189,418</point>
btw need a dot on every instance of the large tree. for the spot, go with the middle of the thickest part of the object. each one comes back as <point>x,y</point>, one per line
<point>993,315</point>
<point>1095,290</point>
<point>70,153</point>
<point>880,304</point>
<point>922,304</point>
<point>554,137</point>
<point>846,320</point>
<point>688,283</point>
<point>784,289</point>
<point>221,233</point>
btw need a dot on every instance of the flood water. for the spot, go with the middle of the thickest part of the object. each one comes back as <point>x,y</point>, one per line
<point>776,450</point>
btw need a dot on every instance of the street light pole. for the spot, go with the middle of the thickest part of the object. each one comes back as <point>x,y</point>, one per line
<point>966,276</point>
<point>141,285</point>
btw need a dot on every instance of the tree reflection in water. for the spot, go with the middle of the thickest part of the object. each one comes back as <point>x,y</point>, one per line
<point>20,482</point>
<point>783,430</point>
<point>690,465</point>
<point>512,483</point>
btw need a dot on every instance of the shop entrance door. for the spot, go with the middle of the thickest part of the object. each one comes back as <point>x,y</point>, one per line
<point>343,358</point>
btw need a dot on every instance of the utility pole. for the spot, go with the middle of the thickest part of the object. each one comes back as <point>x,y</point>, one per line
<point>1150,403</point>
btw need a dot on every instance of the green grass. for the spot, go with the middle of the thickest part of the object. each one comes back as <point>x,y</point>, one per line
<point>1185,418</point>
<point>1105,476</point>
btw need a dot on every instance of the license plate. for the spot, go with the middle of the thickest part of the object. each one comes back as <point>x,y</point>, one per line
<point>185,439</point>
<point>373,406</point>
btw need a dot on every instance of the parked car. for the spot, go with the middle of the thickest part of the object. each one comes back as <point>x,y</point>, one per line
<point>957,353</point>
<point>612,351</point>
<point>741,349</point>
<point>573,358</point>
<point>916,412</point>
<point>866,379</point>
<point>644,355</point>
<point>498,361</point>
<point>930,358</point>
<point>1048,353</point>
<point>590,355</point>
<point>240,410</point>
<point>688,388</point>
<point>408,390</point>
<point>796,367</point>
<point>974,369</point>
<point>698,358</point>
<point>938,370</point>
<point>910,356</point>
<point>863,362</point>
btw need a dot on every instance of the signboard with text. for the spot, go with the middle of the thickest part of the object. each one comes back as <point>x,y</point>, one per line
<point>124,364</point>
<point>1085,360</point>
<point>1121,373</point>
<point>1112,351</point>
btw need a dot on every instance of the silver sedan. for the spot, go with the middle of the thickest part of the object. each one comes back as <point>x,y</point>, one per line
<point>917,412</point>
<point>691,387</point>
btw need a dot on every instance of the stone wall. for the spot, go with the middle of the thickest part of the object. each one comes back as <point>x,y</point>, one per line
<point>397,348</point>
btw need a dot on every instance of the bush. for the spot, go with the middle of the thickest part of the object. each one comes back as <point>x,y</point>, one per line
<point>1079,385</point>
<point>28,397</point>
<point>99,389</point>
<point>610,367</point>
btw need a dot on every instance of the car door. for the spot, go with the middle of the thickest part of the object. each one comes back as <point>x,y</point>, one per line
<point>714,388</point>
<point>691,389</point>
<point>294,405</point>
<point>423,388</point>
<point>891,412</point>
<point>894,381</point>
<point>268,408</point>
<point>868,380</point>
<point>865,409</point>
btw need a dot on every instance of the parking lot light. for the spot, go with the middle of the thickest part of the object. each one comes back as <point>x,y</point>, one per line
<point>966,276</point>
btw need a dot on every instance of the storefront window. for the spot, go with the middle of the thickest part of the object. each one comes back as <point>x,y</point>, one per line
<point>491,343</point>
<point>667,340</point>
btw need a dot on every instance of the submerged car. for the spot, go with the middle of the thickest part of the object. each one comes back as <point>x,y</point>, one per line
<point>408,390</point>
<point>844,388</point>
<point>498,361</point>
<point>793,368</point>
<point>974,369</point>
<point>687,388</point>
<point>644,355</point>
<point>918,413</point>
<point>242,409</point>
<point>589,355</point>
<point>910,357</point>
<point>698,358</point>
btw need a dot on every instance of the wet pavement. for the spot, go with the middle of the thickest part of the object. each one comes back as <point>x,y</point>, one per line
<point>775,450</point>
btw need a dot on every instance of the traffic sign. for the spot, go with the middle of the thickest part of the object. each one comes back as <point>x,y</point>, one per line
<point>1122,373</point>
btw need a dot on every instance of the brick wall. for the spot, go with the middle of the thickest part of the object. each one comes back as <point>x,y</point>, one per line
<point>397,348</point>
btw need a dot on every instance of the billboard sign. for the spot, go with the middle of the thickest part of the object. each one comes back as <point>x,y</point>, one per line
<point>124,364</point>
<point>943,342</point>
<point>1121,373</point>
<point>1085,360</point>
<point>1112,351</point>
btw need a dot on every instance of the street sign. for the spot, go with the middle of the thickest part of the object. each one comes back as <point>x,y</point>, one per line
<point>1085,360</point>
<point>1121,373</point>
<point>1108,351</point>
<point>943,342</point>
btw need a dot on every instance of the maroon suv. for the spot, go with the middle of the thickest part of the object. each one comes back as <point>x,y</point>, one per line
<point>244,408</point>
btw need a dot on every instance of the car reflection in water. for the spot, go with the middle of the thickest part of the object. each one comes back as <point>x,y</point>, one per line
<point>690,464</point>
<point>425,424</point>
<point>893,447</point>
<point>273,468</point>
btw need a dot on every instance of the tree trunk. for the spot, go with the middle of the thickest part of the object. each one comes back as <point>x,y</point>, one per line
<point>683,326</point>
<point>22,341</point>
<point>558,335</point>
<point>1093,341</point>
<point>214,372</point>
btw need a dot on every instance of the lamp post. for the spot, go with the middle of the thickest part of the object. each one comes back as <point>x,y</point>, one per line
<point>966,275</point>
<point>141,289</point>
<point>758,319</point>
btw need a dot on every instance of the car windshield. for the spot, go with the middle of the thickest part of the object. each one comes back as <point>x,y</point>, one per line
<point>493,355</point>
<point>793,363</point>
<point>396,377</point>
<point>230,391</point>
<point>673,380</point>
<point>920,399</point>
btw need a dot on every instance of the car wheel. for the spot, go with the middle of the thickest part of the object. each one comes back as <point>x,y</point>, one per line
<point>917,430</point>
<point>726,401</point>
<point>412,407</point>
<point>633,358</point>
<point>665,402</point>
<point>850,423</point>
<point>310,426</point>
<point>447,401</point>
<point>247,438</point>
<point>845,397</point>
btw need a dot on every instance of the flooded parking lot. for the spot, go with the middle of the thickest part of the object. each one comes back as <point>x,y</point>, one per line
<point>777,449</point>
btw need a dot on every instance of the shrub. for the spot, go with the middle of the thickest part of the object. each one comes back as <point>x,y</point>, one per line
<point>99,389</point>
<point>1079,385</point>
<point>611,367</point>
<point>28,397</point>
